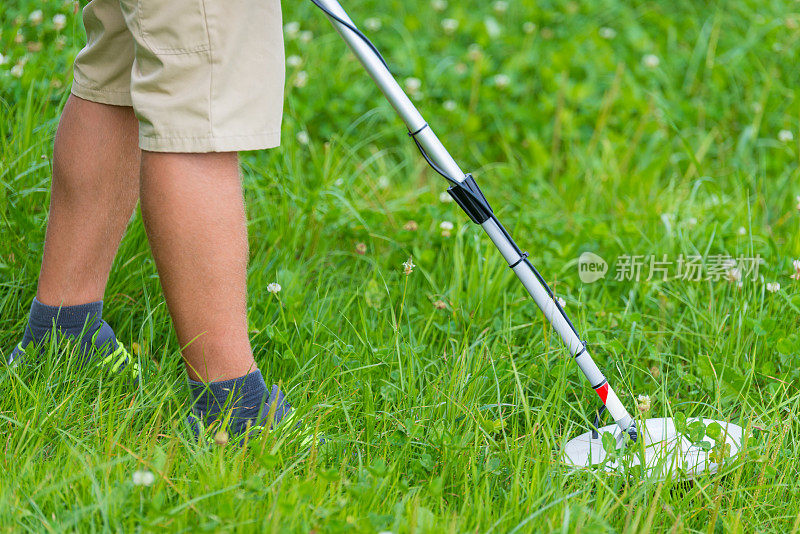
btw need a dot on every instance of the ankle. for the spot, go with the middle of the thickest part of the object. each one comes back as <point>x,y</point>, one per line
<point>218,367</point>
<point>239,400</point>
<point>82,323</point>
<point>59,296</point>
<point>212,357</point>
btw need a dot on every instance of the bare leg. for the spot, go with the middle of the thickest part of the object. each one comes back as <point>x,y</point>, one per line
<point>194,215</point>
<point>94,191</point>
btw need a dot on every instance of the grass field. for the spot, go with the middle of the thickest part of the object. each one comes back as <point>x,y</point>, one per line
<point>653,129</point>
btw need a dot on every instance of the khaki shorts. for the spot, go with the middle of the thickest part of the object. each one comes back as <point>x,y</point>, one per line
<point>201,75</point>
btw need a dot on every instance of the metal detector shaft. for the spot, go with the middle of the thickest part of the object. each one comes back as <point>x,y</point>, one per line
<point>466,192</point>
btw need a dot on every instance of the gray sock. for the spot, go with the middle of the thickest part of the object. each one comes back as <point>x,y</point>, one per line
<point>83,322</point>
<point>246,398</point>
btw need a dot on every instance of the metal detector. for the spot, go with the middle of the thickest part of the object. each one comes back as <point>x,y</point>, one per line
<point>661,447</point>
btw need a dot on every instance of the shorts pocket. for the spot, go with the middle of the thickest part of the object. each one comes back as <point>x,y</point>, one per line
<point>173,26</point>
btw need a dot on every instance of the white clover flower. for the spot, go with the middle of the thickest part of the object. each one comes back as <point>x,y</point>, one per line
<point>650,61</point>
<point>449,26</point>
<point>408,266</point>
<point>384,182</point>
<point>797,199</point>
<point>772,287</point>
<point>291,29</point>
<point>373,24</point>
<point>742,230</point>
<point>529,27</point>
<point>143,478</point>
<point>36,17</point>
<point>274,287</point>
<point>493,27</point>
<point>607,33</point>
<point>17,70</point>
<point>302,137</point>
<point>221,438</point>
<point>361,248</point>
<point>300,79</point>
<point>439,5</point>
<point>445,198</point>
<point>460,68</point>
<point>306,36</point>
<point>643,403</point>
<point>59,21</point>
<point>19,38</point>
<point>796,274</point>
<point>412,84</point>
<point>294,61</point>
<point>501,81</point>
<point>784,136</point>
<point>500,7</point>
<point>474,52</point>
<point>734,274</point>
<point>561,302</point>
<point>446,227</point>
<point>449,105</point>
<point>411,226</point>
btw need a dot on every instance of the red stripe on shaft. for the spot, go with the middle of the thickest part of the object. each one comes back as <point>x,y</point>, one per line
<point>603,392</point>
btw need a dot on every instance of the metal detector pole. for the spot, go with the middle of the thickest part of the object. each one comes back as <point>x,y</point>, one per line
<point>468,195</point>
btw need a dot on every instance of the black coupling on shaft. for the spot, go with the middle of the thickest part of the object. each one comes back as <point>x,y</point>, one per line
<point>632,432</point>
<point>468,195</point>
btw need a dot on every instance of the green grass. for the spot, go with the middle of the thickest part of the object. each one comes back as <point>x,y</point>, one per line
<point>586,149</point>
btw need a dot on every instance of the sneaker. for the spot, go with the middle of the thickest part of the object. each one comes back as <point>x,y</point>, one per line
<point>120,363</point>
<point>276,410</point>
<point>117,361</point>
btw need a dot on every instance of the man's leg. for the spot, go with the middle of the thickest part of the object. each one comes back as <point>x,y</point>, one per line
<point>193,211</point>
<point>94,191</point>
